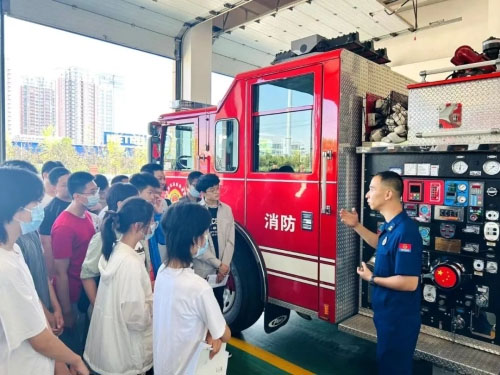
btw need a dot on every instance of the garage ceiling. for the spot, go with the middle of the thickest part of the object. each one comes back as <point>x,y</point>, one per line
<point>247,33</point>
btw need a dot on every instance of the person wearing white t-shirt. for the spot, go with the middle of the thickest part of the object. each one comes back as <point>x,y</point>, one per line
<point>185,309</point>
<point>27,344</point>
<point>90,268</point>
<point>120,339</point>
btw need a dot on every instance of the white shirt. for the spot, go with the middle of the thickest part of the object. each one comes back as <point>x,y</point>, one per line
<point>21,318</point>
<point>102,214</point>
<point>184,308</point>
<point>120,334</point>
<point>46,200</point>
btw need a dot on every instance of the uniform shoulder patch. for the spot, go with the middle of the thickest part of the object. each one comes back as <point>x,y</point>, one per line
<point>405,247</point>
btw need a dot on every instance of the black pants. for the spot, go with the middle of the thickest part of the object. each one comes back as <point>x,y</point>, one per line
<point>219,296</point>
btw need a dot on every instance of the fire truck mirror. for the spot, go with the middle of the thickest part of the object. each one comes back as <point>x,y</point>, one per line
<point>154,146</point>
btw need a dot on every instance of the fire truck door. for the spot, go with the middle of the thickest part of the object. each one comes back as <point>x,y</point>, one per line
<point>283,187</point>
<point>179,154</point>
<point>204,152</point>
<point>329,161</point>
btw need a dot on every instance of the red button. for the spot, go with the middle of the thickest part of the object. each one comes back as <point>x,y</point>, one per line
<point>445,277</point>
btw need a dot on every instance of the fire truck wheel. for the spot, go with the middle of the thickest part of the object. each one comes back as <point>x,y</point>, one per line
<point>242,297</point>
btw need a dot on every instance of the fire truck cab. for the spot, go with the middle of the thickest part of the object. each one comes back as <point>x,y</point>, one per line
<point>283,143</point>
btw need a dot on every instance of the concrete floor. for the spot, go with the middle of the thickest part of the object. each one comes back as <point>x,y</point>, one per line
<point>305,347</point>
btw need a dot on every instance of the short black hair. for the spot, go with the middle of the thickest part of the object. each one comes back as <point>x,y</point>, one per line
<point>118,178</point>
<point>207,181</point>
<point>49,165</point>
<point>142,180</point>
<point>151,168</point>
<point>194,175</point>
<point>118,193</point>
<point>101,181</point>
<point>19,188</point>
<point>77,182</point>
<point>393,180</point>
<point>20,164</point>
<point>56,173</point>
<point>183,224</point>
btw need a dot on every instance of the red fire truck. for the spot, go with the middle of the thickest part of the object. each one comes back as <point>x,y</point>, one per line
<point>283,142</point>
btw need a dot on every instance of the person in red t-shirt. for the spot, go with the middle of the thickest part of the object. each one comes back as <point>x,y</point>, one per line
<point>71,234</point>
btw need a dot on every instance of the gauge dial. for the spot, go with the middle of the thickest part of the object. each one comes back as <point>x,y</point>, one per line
<point>459,167</point>
<point>491,167</point>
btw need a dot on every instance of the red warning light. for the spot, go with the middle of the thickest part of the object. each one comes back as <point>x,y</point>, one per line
<point>445,277</point>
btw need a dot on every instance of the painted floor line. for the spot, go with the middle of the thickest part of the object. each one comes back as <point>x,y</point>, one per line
<point>264,355</point>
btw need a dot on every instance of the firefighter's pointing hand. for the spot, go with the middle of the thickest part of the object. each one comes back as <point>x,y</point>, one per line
<point>349,218</point>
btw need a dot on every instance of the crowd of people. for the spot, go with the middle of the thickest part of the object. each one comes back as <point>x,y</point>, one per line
<point>103,277</point>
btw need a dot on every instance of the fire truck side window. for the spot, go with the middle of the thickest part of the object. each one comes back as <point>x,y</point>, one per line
<point>178,153</point>
<point>226,145</point>
<point>282,125</point>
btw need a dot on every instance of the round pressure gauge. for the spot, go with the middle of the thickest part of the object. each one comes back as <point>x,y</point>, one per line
<point>491,167</point>
<point>459,167</point>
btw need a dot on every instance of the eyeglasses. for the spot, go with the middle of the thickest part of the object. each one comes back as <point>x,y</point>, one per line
<point>91,193</point>
<point>214,189</point>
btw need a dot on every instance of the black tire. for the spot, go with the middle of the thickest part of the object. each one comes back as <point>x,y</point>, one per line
<point>242,297</point>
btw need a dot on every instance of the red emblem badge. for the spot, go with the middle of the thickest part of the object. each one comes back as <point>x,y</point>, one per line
<point>405,247</point>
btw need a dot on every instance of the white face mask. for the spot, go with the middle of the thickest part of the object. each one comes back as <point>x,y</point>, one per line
<point>92,200</point>
<point>152,228</point>
<point>202,249</point>
<point>194,193</point>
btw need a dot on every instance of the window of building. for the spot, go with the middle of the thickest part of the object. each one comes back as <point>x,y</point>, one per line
<point>226,145</point>
<point>282,123</point>
<point>69,100</point>
<point>179,148</point>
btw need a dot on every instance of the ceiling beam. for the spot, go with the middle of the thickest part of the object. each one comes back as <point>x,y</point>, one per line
<point>252,11</point>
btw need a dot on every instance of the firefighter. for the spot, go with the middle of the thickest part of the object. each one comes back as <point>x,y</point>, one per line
<point>396,277</point>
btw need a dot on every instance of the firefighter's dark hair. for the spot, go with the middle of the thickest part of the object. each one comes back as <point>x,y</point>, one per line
<point>206,182</point>
<point>392,180</point>
<point>142,180</point>
<point>133,210</point>
<point>20,187</point>
<point>183,225</point>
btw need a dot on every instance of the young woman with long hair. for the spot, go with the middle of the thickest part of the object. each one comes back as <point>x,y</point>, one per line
<point>186,311</point>
<point>120,334</point>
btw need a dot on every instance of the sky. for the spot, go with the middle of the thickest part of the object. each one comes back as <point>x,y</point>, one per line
<point>147,92</point>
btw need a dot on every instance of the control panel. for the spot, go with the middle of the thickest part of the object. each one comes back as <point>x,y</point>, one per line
<point>454,200</point>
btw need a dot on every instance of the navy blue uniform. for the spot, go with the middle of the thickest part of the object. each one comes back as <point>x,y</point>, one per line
<point>397,313</point>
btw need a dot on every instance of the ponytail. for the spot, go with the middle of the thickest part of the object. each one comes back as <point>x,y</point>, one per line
<point>133,210</point>
<point>108,233</point>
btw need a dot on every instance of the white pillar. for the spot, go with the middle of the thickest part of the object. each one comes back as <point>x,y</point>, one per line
<point>197,63</point>
<point>493,18</point>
